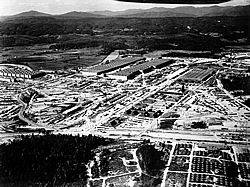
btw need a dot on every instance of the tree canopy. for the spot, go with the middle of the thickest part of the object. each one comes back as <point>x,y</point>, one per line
<point>51,160</point>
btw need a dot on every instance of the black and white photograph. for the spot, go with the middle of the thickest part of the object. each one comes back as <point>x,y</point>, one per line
<point>125,93</point>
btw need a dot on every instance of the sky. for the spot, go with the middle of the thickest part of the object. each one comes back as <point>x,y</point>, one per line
<point>11,7</point>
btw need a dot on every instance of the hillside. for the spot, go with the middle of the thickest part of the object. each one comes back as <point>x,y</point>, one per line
<point>79,15</point>
<point>38,26</point>
<point>153,29</point>
<point>157,15</point>
<point>49,160</point>
<point>185,11</point>
<point>231,11</point>
<point>31,13</point>
<point>179,12</point>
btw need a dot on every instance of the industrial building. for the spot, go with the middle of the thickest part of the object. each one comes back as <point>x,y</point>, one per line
<point>15,72</point>
<point>111,66</point>
<point>133,71</point>
<point>197,75</point>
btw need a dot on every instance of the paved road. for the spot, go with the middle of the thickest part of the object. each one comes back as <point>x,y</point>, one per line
<point>163,184</point>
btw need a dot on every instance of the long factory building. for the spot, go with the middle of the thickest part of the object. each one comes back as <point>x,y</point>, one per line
<point>197,75</point>
<point>135,70</point>
<point>111,66</point>
<point>19,73</point>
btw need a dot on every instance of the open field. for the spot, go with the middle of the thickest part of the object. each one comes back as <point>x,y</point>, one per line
<point>40,57</point>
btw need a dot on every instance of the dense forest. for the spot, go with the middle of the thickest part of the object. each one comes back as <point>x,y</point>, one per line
<point>237,83</point>
<point>39,26</point>
<point>247,102</point>
<point>151,163</point>
<point>119,33</point>
<point>150,159</point>
<point>49,160</point>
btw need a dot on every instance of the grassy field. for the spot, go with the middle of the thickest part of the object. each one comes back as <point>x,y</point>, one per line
<point>43,58</point>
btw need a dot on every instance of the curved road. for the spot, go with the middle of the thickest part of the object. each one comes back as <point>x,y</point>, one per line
<point>21,116</point>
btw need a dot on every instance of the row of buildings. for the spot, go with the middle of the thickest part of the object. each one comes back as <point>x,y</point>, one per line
<point>127,68</point>
<point>14,72</point>
<point>146,67</point>
<point>111,66</point>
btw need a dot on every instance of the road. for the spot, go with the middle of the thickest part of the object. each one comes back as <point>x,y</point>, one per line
<point>163,184</point>
<point>30,123</point>
<point>229,95</point>
<point>20,114</point>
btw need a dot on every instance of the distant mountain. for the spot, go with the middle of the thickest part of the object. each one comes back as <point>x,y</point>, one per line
<point>118,13</point>
<point>201,11</point>
<point>157,15</point>
<point>72,14</point>
<point>213,11</point>
<point>79,15</point>
<point>105,13</point>
<point>160,9</point>
<point>2,18</point>
<point>231,11</point>
<point>156,12</point>
<point>130,11</point>
<point>31,13</point>
<point>188,11</point>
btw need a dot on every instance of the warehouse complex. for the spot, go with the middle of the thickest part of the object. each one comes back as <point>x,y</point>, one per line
<point>127,68</point>
<point>16,72</point>
<point>111,66</point>
<point>133,71</point>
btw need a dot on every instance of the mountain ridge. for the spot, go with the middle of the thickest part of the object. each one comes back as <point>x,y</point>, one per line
<point>80,14</point>
<point>31,13</point>
<point>184,11</point>
<point>156,15</point>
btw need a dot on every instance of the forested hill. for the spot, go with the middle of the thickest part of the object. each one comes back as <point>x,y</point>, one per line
<point>37,30</point>
<point>38,26</point>
<point>49,160</point>
<point>181,31</point>
<point>184,11</point>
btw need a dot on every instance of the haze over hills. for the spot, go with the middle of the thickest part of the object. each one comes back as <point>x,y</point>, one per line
<point>157,15</point>
<point>185,11</point>
<point>80,14</point>
<point>31,13</point>
<point>180,11</point>
<point>231,11</point>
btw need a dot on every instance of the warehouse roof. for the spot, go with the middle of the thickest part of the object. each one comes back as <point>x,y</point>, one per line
<point>143,67</point>
<point>118,63</point>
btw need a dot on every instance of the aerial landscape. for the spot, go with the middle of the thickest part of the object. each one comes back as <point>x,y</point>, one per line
<point>143,96</point>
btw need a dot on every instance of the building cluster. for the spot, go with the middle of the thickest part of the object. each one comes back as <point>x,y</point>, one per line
<point>110,66</point>
<point>146,67</point>
<point>127,68</point>
<point>19,73</point>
